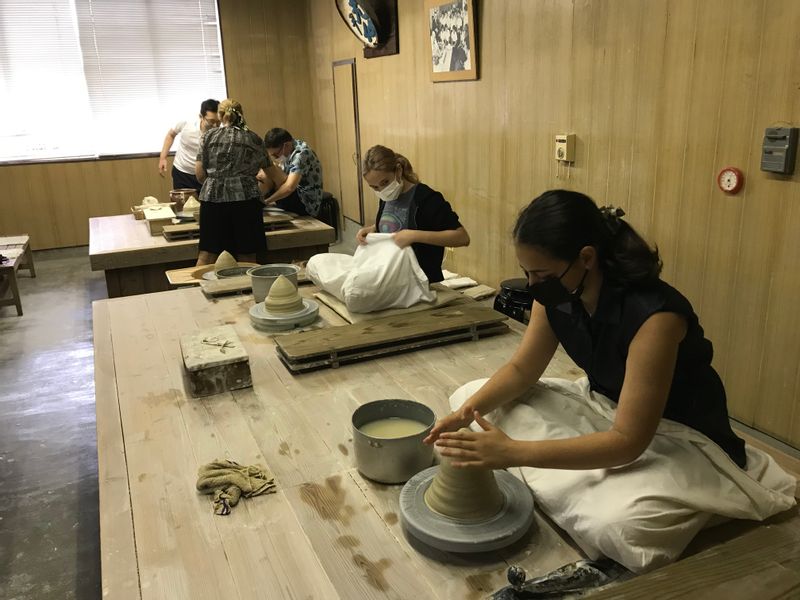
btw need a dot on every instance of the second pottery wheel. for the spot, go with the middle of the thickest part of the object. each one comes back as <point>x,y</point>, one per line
<point>263,320</point>
<point>456,535</point>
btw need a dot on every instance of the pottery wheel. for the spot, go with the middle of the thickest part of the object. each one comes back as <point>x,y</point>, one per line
<point>263,320</point>
<point>455,535</point>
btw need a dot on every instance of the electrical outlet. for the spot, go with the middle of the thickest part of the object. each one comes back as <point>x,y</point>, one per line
<point>565,147</point>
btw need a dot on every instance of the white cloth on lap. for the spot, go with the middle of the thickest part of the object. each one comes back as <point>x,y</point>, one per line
<point>378,276</point>
<point>644,514</point>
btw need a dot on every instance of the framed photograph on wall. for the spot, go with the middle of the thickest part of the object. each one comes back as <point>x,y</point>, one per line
<point>451,46</point>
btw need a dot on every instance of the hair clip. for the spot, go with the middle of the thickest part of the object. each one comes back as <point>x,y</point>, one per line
<point>613,217</point>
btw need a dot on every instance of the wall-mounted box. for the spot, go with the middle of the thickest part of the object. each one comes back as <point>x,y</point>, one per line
<point>779,150</point>
<point>565,147</point>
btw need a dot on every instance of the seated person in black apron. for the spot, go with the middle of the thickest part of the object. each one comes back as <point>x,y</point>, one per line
<point>417,215</point>
<point>597,292</point>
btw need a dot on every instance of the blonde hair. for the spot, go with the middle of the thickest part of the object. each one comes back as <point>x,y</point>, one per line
<point>231,111</point>
<point>381,158</point>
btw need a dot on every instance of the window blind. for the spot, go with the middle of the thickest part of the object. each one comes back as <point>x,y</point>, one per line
<point>108,77</point>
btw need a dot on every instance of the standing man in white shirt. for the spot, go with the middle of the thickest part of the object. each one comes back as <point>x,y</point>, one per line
<point>188,145</point>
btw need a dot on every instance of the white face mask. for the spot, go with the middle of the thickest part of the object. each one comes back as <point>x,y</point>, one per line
<point>391,191</point>
<point>282,160</point>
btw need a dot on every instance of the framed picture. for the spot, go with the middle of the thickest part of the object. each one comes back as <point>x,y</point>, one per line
<point>452,49</point>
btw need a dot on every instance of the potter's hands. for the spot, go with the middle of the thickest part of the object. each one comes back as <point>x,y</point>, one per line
<point>361,236</point>
<point>405,237</point>
<point>490,448</point>
<point>162,166</point>
<point>452,422</point>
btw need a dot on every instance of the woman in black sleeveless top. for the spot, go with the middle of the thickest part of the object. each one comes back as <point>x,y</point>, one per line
<point>598,293</point>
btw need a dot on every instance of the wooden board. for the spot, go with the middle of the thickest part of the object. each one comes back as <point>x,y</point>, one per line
<point>763,563</point>
<point>479,292</point>
<point>13,240</point>
<point>335,359</point>
<point>444,297</point>
<point>387,330</point>
<point>194,275</point>
<point>229,285</point>
<point>186,231</point>
<point>158,212</point>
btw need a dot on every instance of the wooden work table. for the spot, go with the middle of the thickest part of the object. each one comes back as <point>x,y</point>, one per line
<point>327,533</point>
<point>135,262</point>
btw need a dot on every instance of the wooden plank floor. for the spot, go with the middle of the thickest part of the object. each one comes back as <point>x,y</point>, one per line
<point>327,533</point>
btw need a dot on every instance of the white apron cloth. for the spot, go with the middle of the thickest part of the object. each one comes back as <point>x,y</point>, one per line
<point>644,514</point>
<point>378,276</point>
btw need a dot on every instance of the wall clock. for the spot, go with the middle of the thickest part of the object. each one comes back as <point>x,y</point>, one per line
<point>373,22</point>
<point>730,180</point>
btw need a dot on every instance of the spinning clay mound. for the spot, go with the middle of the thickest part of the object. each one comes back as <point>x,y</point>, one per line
<point>225,261</point>
<point>467,493</point>
<point>283,297</point>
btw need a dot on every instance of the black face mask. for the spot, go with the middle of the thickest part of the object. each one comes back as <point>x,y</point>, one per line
<point>550,292</point>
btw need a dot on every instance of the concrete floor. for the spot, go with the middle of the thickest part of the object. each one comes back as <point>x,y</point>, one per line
<point>49,531</point>
<point>49,528</point>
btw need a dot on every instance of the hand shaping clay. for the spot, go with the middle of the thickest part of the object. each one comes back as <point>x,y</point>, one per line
<point>467,493</point>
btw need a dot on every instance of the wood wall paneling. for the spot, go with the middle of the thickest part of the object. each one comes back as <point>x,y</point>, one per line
<point>661,96</point>
<point>52,202</point>
<point>267,68</point>
<point>266,46</point>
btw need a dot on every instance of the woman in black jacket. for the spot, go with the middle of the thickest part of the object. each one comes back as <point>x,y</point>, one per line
<point>417,215</point>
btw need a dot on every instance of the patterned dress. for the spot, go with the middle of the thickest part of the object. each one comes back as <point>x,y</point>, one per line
<point>231,157</point>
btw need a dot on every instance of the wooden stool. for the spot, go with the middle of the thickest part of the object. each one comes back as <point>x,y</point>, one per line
<point>18,252</point>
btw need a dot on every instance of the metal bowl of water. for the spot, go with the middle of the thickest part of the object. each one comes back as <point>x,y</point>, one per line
<point>392,459</point>
<point>264,276</point>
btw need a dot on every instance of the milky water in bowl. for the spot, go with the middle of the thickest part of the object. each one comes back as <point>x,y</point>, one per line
<point>393,427</point>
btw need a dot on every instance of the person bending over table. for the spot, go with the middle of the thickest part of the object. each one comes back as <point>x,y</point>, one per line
<point>190,131</point>
<point>417,215</point>
<point>294,182</point>
<point>597,292</point>
<point>231,212</point>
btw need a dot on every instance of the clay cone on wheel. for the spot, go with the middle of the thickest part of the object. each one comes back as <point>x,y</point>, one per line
<point>467,493</point>
<point>283,297</point>
<point>225,261</point>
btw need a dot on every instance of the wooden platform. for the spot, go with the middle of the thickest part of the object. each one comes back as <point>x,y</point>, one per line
<point>335,346</point>
<point>189,231</point>
<point>136,262</point>
<point>328,533</point>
